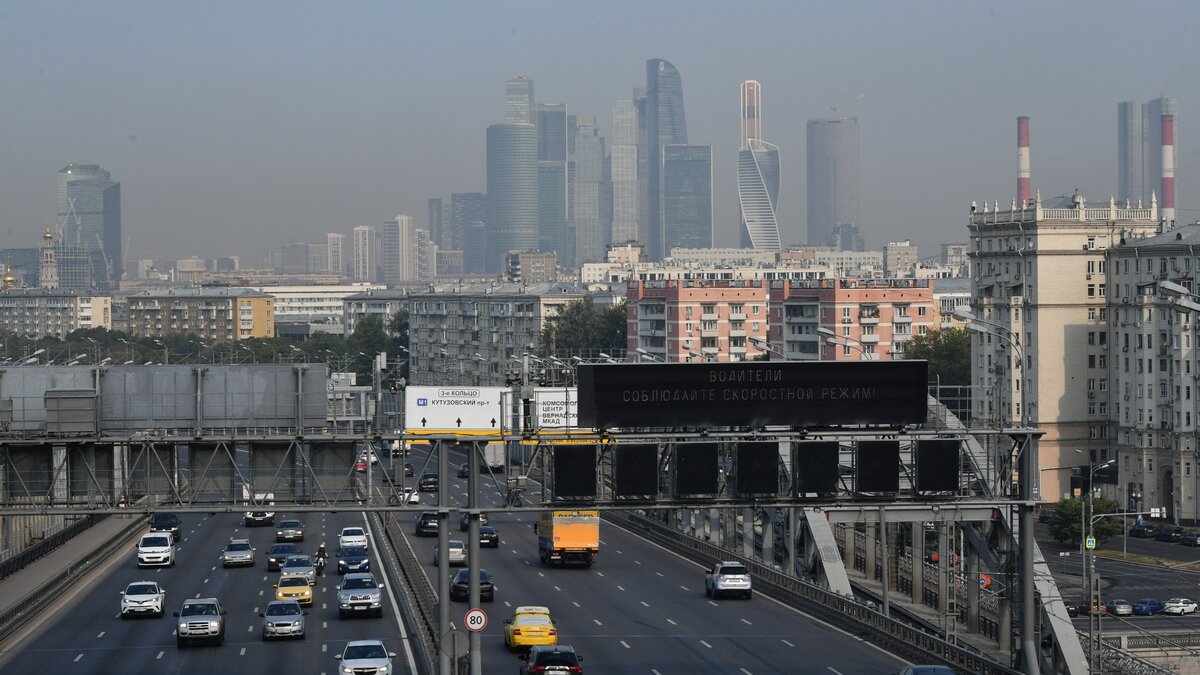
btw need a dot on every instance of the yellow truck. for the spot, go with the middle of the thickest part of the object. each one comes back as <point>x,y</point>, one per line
<point>568,537</point>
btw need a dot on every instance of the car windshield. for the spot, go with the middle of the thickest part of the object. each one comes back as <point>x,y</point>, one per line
<point>351,584</point>
<point>487,529</point>
<point>733,569</point>
<point>532,620</point>
<point>463,576</point>
<point>293,581</point>
<point>364,652</point>
<point>283,548</point>
<point>455,543</point>
<point>156,541</point>
<point>352,532</point>
<point>298,561</point>
<point>162,519</point>
<point>142,589</point>
<point>199,609</point>
<point>351,551</point>
<point>293,524</point>
<point>556,659</point>
<point>238,546</point>
<point>283,609</point>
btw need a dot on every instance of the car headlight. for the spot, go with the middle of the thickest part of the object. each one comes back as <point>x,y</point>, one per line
<point>182,626</point>
<point>213,625</point>
<point>381,669</point>
<point>342,562</point>
<point>347,669</point>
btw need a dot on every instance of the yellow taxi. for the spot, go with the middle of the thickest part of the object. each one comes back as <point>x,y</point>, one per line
<point>294,587</point>
<point>530,625</point>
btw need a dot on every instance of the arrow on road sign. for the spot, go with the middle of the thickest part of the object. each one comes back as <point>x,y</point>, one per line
<point>493,421</point>
<point>422,421</point>
<point>458,422</point>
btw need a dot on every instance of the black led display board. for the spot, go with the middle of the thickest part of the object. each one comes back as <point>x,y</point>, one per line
<point>878,466</point>
<point>636,469</point>
<point>816,465</point>
<point>752,394</point>
<point>696,469</point>
<point>757,468</point>
<point>937,465</point>
<point>575,472</point>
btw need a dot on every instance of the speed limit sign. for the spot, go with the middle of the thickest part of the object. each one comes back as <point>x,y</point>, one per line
<point>476,620</point>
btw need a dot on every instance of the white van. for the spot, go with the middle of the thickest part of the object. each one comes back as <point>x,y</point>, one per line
<point>156,549</point>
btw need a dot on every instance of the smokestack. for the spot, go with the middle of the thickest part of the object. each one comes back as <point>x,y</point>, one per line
<point>1168,168</point>
<point>1023,191</point>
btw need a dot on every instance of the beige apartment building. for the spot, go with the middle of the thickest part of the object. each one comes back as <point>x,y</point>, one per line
<point>43,312</point>
<point>210,313</point>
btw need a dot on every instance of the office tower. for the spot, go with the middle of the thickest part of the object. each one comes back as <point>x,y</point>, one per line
<point>665,125</point>
<point>318,258</point>
<point>518,96</point>
<point>847,237</point>
<point>468,211</point>
<point>335,247</point>
<point>757,177</point>
<point>832,176</point>
<point>591,235</point>
<point>436,220</point>
<point>643,163</point>
<point>294,259</point>
<point>398,250</point>
<point>624,171</point>
<point>552,176</point>
<point>687,219</point>
<point>89,215</point>
<point>512,189</point>
<point>363,263</point>
<point>1139,148</point>
<point>424,256</point>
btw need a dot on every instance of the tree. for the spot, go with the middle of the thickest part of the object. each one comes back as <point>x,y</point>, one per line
<point>369,338</point>
<point>1065,521</point>
<point>948,352</point>
<point>581,327</point>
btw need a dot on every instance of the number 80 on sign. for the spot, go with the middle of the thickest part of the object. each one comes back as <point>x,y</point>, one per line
<point>475,620</point>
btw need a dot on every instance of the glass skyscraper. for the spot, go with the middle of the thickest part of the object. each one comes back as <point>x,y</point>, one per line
<point>757,177</point>
<point>666,124</point>
<point>552,177</point>
<point>512,191</point>
<point>624,172</point>
<point>687,218</point>
<point>89,215</point>
<point>468,212</point>
<point>833,194</point>
<point>518,100</point>
<point>591,230</point>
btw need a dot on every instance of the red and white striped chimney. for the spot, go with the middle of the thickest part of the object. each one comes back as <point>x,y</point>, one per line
<point>1168,168</point>
<point>1023,192</point>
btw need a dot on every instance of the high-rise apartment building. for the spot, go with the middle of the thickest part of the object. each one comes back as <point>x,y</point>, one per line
<point>624,171</point>
<point>687,215</point>
<point>833,196</point>
<point>757,177</point>
<point>1139,148</point>
<point>335,250</point>
<point>512,189</point>
<point>89,216</point>
<point>552,176</point>
<point>591,230</point>
<point>364,264</point>
<point>666,125</point>
<point>398,250</point>
<point>518,99</point>
<point>468,211</point>
<point>436,227</point>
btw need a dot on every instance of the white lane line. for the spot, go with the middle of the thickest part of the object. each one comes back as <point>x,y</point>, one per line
<point>672,622</point>
<point>324,624</point>
<point>625,644</point>
<point>621,588</point>
<point>513,551</point>
<point>655,671</point>
<point>637,562</point>
<point>264,576</point>
<point>100,635</point>
<point>645,604</point>
<point>324,646</point>
<point>213,568</point>
<point>600,573</point>
<point>597,622</point>
<point>713,603</point>
<point>557,588</point>
<point>249,629</point>
<point>540,574</point>
<point>575,603</point>
<point>603,543</point>
<point>323,606</point>
<point>197,595</point>
<point>260,593</point>
<point>706,644</point>
<point>160,655</point>
<point>747,672</point>
<point>659,573</point>
<point>747,622</point>
<point>243,652</point>
<point>833,670</point>
<point>78,657</point>
<point>685,588</point>
<point>620,552</point>
<point>506,604</point>
<point>206,580</point>
<point>787,643</point>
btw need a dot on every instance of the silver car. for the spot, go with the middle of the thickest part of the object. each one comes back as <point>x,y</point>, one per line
<point>457,553</point>
<point>283,619</point>
<point>289,530</point>
<point>142,597</point>
<point>727,578</point>
<point>360,594</point>
<point>301,564</point>
<point>237,552</point>
<point>366,657</point>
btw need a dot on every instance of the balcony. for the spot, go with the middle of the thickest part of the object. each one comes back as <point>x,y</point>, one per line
<point>902,318</point>
<point>738,317</point>
<point>737,333</point>
<point>868,319</point>
<point>872,338</point>
<point>710,333</point>
<point>708,317</point>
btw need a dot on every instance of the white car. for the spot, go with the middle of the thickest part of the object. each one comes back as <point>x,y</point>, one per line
<point>352,536</point>
<point>411,496</point>
<point>457,553</point>
<point>727,578</point>
<point>1180,606</point>
<point>142,597</point>
<point>156,548</point>
<point>365,656</point>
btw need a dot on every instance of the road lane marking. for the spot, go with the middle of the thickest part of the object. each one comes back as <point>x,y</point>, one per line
<point>243,652</point>
<point>637,562</point>
<point>323,606</point>
<point>833,670</point>
<point>206,580</point>
<point>557,588</point>
<point>600,573</point>
<point>659,573</point>
<point>787,643</point>
<point>506,604</point>
<point>685,588</point>
<point>597,622</point>
<point>78,657</point>
<point>259,593</point>
<point>747,672</point>
<point>324,624</point>
<point>324,646</point>
<point>213,568</point>
<point>620,588</point>
<point>672,622</point>
<point>100,635</point>
<point>713,603</point>
<point>250,629</point>
<point>747,622</point>
<point>160,655</point>
<point>706,644</point>
<point>645,604</point>
<point>575,603</point>
<point>625,644</point>
<point>541,574</point>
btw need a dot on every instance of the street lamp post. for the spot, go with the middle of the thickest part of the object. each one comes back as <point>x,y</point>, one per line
<point>763,345</point>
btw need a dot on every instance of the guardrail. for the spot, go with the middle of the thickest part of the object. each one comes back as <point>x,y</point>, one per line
<point>882,630</point>
<point>38,599</point>
<point>420,613</point>
<point>31,553</point>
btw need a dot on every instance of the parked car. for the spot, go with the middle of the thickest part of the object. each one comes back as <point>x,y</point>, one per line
<point>1169,534</point>
<point>289,530</point>
<point>1148,607</point>
<point>352,559</point>
<point>427,524</point>
<point>1085,608</point>
<point>237,552</point>
<point>460,586</point>
<point>283,619</point>
<point>156,548</point>
<point>457,553</point>
<point>464,523</point>
<point>550,659</point>
<point>1190,538</point>
<point>165,522</point>
<point>1179,606</point>
<point>428,482</point>
<point>359,594</point>
<point>144,597</point>
<point>200,619</point>
<point>1119,607</point>
<point>727,578</point>
<point>489,537</point>
<point>1142,531</point>
<point>365,656</point>
<point>278,553</point>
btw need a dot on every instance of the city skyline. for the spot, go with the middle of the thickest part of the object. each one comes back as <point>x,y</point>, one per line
<point>217,171</point>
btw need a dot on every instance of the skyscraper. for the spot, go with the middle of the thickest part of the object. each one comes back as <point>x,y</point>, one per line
<point>89,215</point>
<point>624,171</point>
<point>552,177</point>
<point>363,263</point>
<point>833,197</point>
<point>665,125</point>
<point>591,231</point>
<point>758,176</point>
<point>398,250</point>
<point>512,190</point>
<point>468,211</point>
<point>436,227</point>
<point>518,99</point>
<point>335,250</point>
<point>1139,147</point>
<point>687,216</point>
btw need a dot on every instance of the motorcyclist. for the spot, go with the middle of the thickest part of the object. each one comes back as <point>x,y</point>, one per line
<point>321,555</point>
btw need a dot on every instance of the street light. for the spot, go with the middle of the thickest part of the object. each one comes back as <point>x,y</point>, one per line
<point>647,355</point>
<point>763,345</point>
<point>606,357</point>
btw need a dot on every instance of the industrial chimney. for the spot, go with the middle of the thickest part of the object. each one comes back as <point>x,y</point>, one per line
<point>1168,169</point>
<point>1023,191</point>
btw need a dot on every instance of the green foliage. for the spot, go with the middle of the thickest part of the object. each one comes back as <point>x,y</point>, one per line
<point>583,328</point>
<point>1064,523</point>
<point>948,352</point>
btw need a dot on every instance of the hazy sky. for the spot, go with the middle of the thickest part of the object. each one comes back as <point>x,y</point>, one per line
<point>235,127</point>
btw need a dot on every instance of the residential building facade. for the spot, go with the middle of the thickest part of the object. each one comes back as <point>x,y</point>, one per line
<point>38,313</point>
<point>208,313</point>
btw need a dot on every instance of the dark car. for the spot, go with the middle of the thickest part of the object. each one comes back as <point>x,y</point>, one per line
<point>409,469</point>
<point>165,522</point>
<point>489,537</point>
<point>464,470</point>
<point>1190,538</point>
<point>461,583</point>
<point>1142,531</point>
<point>1148,607</point>
<point>352,559</point>
<point>289,530</point>
<point>427,524</point>
<point>551,659</point>
<point>1085,608</point>
<point>428,482</point>
<point>279,553</point>
<point>1169,534</point>
<point>464,523</point>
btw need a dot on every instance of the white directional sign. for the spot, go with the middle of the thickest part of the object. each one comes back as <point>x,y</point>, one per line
<point>453,409</point>
<point>556,407</point>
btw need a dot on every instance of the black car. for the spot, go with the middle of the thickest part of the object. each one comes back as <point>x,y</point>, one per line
<point>464,523</point>
<point>428,482</point>
<point>409,469</point>
<point>165,522</point>
<point>551,658</point>
<point>1169,534</point>
<point>277,554</point>
<point>489,537</point>
<point>427,524</point>
<point>1190,538</point>
<point>460,586</point>
<point>1142,531</point>
<point>464,470</point>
